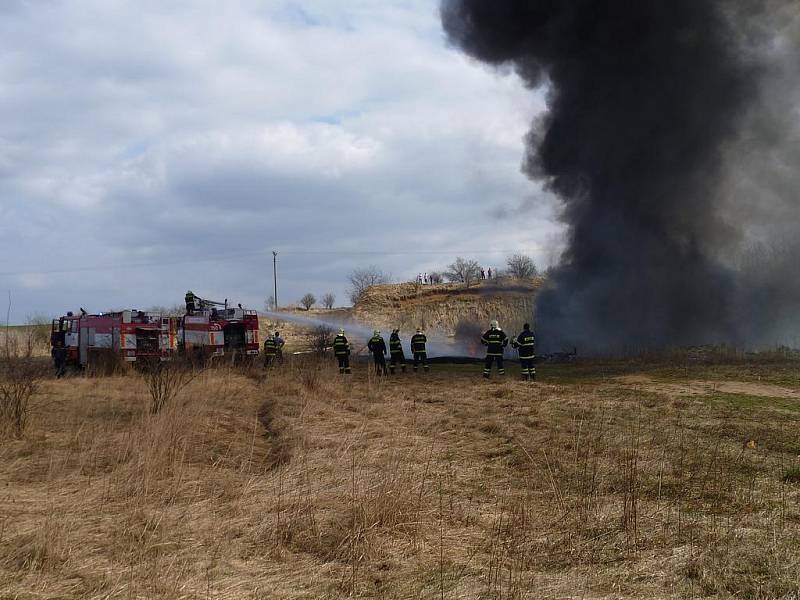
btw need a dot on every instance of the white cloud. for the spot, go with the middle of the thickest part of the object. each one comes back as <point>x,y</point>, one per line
<point>162,132</point>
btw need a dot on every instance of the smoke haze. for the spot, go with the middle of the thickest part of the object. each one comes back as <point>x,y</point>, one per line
<point>359,333</point>
<point>665,125</point>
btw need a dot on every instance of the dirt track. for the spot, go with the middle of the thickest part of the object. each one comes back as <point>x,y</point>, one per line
<point>704,388</point>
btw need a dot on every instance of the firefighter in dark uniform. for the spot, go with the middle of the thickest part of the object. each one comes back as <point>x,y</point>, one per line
<point>396,352</point>
<point>418,341</point>
<point>59,353</point>
<point>190,305</point>
<point>495,341</point>
<point>524,343</point>
<point>270,351</point>
<point>341,349</point>
<point>377,346</point>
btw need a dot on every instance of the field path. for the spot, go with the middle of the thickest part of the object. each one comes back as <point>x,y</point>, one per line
<point>703,388</point>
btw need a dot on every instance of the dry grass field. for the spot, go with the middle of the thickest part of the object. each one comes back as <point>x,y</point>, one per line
<point>598,481</point>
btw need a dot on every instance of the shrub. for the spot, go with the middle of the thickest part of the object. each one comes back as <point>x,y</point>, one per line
<point>20,376</point>
<point>165,380</point>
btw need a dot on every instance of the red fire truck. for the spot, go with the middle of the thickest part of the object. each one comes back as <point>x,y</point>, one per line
<point>131,335</point>
<point>214,329</point>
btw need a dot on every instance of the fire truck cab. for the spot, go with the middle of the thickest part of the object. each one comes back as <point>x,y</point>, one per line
<point>131,335</point>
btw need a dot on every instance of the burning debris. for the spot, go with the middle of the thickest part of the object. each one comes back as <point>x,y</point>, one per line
<point>643,100</point>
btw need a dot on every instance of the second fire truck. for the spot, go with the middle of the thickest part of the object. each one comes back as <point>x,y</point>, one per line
<point>214,329</point>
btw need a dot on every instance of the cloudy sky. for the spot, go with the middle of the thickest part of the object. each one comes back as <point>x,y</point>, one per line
<point>145,150</point>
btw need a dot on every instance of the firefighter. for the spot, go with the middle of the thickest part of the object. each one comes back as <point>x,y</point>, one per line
<point>377,346</point>
<point>341,349</point>
<point>495,341</point>
<point>59,353</point>
<point>190,302</point>
<point>396,352</point>
<point>418,341</point>
<point>270,351</point>
<point>524,343</point>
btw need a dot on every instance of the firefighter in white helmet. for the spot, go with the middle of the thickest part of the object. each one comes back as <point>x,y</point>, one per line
<point>495,341</point>
<point>341,349</point>
<point>418,341</point>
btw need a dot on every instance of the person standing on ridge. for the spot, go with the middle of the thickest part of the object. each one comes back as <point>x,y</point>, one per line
<point>396,352</point>
<point>418,341</point>
<point>524,343</point>
<point>341,349</point>
<point>377,346</point>
<point>495,341</point>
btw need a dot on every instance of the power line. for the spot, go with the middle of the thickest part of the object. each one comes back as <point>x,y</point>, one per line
<point>209,259</point>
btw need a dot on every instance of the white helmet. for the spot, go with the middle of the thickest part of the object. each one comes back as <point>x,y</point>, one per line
<point>494,324</point>
<point>341,331</point>
<point>376,332</point>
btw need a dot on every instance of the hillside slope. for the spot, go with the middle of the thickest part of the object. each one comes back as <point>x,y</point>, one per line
<point>446,306</point>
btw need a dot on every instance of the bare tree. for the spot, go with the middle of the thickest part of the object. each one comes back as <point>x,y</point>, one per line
<point>362,279</point>
<point>463,271</point>
<point>308,301</point>
<point>521,266</point>
<point>328,300</point>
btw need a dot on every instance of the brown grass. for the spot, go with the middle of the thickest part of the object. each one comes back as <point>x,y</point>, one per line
<point>304,484</point>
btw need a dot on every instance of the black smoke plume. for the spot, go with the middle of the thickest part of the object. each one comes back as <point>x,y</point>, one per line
<point>645,100</point>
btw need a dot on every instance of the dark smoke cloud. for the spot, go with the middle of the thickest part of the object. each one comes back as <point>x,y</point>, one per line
<point>647,101</point>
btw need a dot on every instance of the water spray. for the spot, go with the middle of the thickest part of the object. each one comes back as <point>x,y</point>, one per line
<point>438,344</point>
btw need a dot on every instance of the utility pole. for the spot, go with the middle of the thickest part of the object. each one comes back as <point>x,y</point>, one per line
<point>275,278</point>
